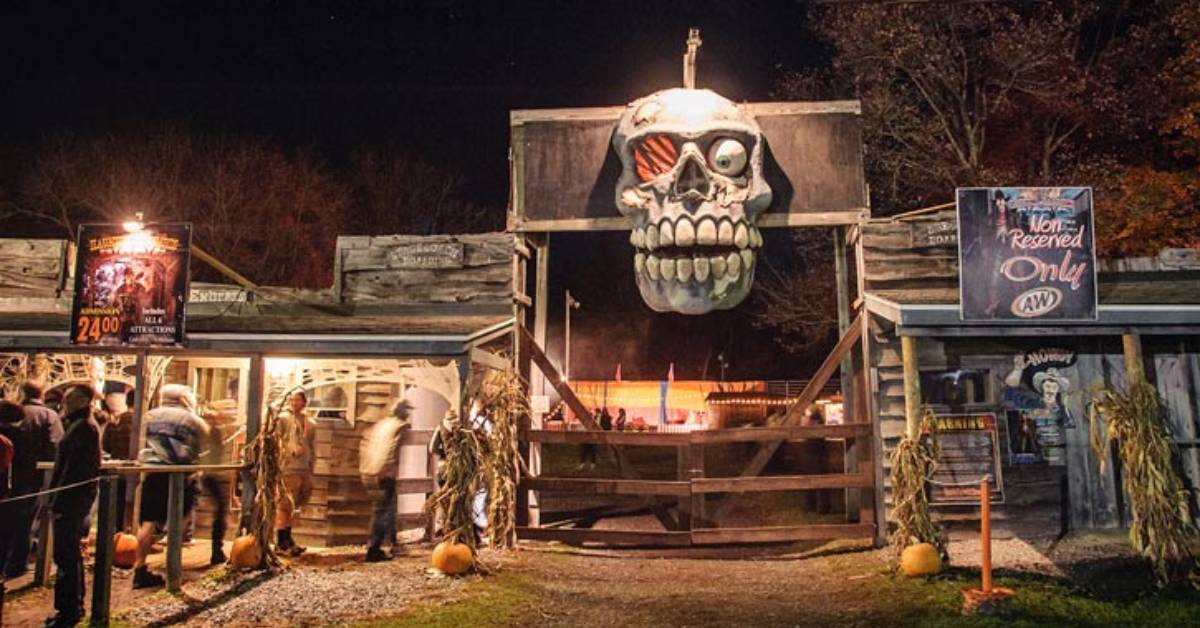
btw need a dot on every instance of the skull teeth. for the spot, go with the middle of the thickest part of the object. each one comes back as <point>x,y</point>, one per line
<point>699,270</point>
<point>725,233</point>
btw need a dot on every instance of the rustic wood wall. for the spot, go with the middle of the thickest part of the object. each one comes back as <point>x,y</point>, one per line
<point>31,268</point>
<point>473,268</point>
<point>1034,493</point>
<point>914,253</point>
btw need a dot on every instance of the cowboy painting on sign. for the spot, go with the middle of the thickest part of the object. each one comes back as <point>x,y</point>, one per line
<point>1035,399</point>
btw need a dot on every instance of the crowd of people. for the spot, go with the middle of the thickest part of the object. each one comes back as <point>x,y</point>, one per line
<point>81,427</point>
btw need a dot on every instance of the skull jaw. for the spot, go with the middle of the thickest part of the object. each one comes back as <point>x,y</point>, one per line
<point>694,298</point>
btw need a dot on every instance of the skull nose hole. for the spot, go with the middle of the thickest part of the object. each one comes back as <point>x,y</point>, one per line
<point>691,178</point>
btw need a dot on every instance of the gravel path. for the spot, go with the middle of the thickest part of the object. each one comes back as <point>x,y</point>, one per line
<point>329,588</point>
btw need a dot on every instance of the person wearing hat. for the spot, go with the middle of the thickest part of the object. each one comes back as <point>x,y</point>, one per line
<point>77,466</point>
<point>379,462</point>
<point>298,440</point>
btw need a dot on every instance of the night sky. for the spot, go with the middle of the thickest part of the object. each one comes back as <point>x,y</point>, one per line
<point>438,76</point>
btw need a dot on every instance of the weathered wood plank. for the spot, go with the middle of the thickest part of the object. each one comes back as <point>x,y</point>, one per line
<point>646,439</point>
<point>578,536</point>
<point>791,432</point>
<point>31,267</point>
<point>780,534</point>
<point>767,483</point>
<point>607,486</point>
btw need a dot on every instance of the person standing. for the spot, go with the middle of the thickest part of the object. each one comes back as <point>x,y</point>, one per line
<point>621,420</point>
<point>379,462</point>
<point>42,429</point>
<point>174,435</point>
<point>299,434</point>
<point>215,483</point>
<point>19,478</point>
<point>76,468</point>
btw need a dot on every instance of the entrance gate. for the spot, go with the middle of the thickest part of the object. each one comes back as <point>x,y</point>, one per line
<point>564,178</point>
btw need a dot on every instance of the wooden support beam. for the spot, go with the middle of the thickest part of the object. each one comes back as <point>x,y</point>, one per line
<point>489,359</point>
<point>579,536</point>
<point>1135,366</point>
<point>781,534</point>
<point>807,397</point>
<point>106,530</point>
<point>254,405</point>
<point>609,487</point>
<point>175,532</point>
<point>768,483</point>
<point>912,386</point>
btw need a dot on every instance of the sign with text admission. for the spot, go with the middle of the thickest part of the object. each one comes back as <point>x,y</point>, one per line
<point>1026,254</point>
<point>131,288</point>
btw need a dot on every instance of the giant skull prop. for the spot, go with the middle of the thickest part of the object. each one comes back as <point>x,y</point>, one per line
<point>692,182</point>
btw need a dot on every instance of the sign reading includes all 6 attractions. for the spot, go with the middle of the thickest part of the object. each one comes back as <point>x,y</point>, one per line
<point>1026,254</point>
<point>131,288</point>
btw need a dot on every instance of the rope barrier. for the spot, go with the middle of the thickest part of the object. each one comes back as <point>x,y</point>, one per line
<point>50,491</point>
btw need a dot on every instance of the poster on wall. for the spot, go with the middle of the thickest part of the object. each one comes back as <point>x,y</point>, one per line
<point>970,450</point>
<point>1034,397</point>
<point>1026,254</point>
<point>131,286</point>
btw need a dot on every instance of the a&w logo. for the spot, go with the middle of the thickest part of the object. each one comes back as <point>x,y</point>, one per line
<point>1037,302</point>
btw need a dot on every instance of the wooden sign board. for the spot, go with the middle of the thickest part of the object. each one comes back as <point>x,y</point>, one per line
<point>427,255</point>
<point>970,450</point>
<point>564,170</point>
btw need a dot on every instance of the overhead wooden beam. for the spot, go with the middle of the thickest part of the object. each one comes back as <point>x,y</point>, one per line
<point>489,359</point>
<point>807,397</point>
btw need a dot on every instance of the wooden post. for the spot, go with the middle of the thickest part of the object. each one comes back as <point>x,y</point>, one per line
<point>175,532</point>
<point>912,386</point>
<point>106,529</point>
<point>699,512</point>
<point>136,441</point>
<point>1135,367</point>
<point>45,537</point>
<point>985,533</point>
<point>254,407</point>
<point>845,377</point>
<point>683,470</point>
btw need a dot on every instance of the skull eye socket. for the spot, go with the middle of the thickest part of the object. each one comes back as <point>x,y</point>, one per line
<point>653,156</point>
<point>727,156</point>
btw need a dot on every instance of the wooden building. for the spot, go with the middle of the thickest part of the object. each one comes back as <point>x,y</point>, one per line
<point>1037,381</point>
<point>406,317</point>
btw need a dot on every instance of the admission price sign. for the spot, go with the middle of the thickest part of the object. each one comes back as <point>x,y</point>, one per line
<point>131,288</point>
<point>970,451</point>
<point>1026,254</point>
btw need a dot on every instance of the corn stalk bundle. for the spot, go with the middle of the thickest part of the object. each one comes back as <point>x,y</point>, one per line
<point>502,397</point>
<point>1162,529</point>
<point>460,479</point>
<point>265,456</point>
<point>913,462</point>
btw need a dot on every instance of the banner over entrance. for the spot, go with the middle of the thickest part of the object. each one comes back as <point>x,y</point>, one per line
<point>131,288</point>
<point>1026,254</point>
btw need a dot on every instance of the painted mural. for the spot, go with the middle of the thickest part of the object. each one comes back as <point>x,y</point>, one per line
<point>1034,397</point>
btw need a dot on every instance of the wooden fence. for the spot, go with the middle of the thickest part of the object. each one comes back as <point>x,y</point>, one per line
<point>691,520</point>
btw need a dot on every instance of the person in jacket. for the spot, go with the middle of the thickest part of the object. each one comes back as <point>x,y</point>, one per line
<point>379,462</point>
<point>174,436</point>
<point>299,440</point>
<point>41,430</point>
<point>76,469</point>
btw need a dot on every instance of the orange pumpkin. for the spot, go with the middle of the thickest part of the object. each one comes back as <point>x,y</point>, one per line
<point>921,559</point>
<point>452,558</point>
<point>124,550</point>
<point>246,554</point>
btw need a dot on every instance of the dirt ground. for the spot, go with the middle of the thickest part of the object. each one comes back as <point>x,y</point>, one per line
<point>1083,580</point>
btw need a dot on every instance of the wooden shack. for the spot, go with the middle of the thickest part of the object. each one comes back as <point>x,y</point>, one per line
<point>1050,477</point>
<point>407,316</point>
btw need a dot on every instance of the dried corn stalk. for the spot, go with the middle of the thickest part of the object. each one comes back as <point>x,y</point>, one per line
<point>502,398</point>
<point>913,462</point>
<point>460,479</point>
<point>1162,529</point>
<point>265,457</point>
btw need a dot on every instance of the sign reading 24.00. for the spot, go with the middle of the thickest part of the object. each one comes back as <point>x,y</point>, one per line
<point>1026,254</point>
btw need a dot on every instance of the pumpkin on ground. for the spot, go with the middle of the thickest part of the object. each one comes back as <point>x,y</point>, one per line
<point>452,558</point>
<point>246,554</point>
<point>921,559</point>
<point>124,550</point>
